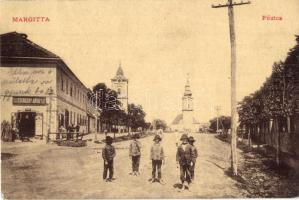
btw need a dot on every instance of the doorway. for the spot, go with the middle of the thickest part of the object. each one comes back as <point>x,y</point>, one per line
<point>66,123</point>
<point>26,124</point>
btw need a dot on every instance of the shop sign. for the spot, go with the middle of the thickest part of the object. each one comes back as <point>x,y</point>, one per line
<point>29,101</point>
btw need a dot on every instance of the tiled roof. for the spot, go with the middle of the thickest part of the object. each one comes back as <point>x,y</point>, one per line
<point>15,44</point>
<point>16,47</point>
<point>179,117</point>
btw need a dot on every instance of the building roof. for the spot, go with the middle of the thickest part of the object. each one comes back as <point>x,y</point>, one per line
<point>15,44</point>
<point>119,74</point>
<point>15,47</point>
<point>179,118</point>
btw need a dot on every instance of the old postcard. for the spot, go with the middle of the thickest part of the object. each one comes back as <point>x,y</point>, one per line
<point>149,99</point>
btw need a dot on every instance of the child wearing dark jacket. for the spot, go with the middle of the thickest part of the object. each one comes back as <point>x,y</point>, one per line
<point>108,154</point>
<point>184,159</point>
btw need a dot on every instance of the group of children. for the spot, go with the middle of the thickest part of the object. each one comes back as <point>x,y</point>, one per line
<point>186,158</point>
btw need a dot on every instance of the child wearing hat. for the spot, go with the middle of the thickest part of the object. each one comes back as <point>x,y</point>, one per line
<point>157,157</point>
<point>135,153</point>
<point>108,154</point>
<point>184,158</point>
<point>194,157</point>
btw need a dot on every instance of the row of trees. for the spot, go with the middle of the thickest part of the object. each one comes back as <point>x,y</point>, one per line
<point>224,123</point>
<point>275,102</point>
<point>276,98</point>
<point>112,115</point>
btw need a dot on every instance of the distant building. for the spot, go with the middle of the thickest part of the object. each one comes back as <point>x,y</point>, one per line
<point>120,84</point>
<point>93,113</point>
<point>186,121</point>
<point>38,89</point>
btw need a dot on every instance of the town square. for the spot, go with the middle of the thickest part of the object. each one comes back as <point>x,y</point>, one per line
<point>149,99</point>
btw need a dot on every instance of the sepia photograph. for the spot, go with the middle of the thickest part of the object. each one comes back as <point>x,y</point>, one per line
<point>149,99</point>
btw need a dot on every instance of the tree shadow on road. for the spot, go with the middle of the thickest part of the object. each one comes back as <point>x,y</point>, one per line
<point>5,156</point>
<point>238,178</point>
<point>228,172</point>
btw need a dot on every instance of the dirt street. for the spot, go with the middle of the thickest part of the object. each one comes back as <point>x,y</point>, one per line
<point>47,171</point>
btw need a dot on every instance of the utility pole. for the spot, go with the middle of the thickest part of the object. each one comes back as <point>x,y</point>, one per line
<point>50,93</point>
<point>230,5</point>
<point>96,108</point>
<point>217,111</point>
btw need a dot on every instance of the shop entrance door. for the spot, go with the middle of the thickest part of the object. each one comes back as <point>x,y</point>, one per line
<point>26,125</point>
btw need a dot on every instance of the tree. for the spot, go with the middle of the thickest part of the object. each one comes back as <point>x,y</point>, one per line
<point>110,106</point>
<point>136,117</point>
<point>113,115</point>
<point>159,124</point>
<point>275,101</point>
<point>224,121</point>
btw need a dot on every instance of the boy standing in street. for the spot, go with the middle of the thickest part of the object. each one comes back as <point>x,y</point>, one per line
<point>108,154</point>
<point>184,158</point>
<point>194,157</point>
<point>157,157</point>
<point>135,153</point>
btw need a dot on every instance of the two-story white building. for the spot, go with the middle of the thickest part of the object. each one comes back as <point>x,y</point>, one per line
<point>39,92</point>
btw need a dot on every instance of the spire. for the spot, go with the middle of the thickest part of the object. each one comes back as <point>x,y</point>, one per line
<point>119,73</point>
<point>187,87</point>
<point>188,82</point>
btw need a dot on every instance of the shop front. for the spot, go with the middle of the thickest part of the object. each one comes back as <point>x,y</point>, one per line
<point>28,116</point>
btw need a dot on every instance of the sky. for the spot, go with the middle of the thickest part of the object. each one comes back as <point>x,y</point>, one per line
<point>159,42</point>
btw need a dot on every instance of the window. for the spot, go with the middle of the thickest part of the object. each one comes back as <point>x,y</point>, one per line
<point>71,90</point>
<point>67,87</point>
<point>118,91</point>
<point>62,84</point>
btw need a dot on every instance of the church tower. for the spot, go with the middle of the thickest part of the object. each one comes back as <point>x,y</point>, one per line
<point>187,107</point>
<point>119,83</point>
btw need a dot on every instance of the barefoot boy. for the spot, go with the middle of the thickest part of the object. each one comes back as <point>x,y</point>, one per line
<point>108,154</point>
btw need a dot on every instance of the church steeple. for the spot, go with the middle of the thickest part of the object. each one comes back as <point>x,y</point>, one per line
<point>120,74</point>
<point>120,71</point>
<point>187,106</point>
<point>187,87</point>
<point>119,83</point>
